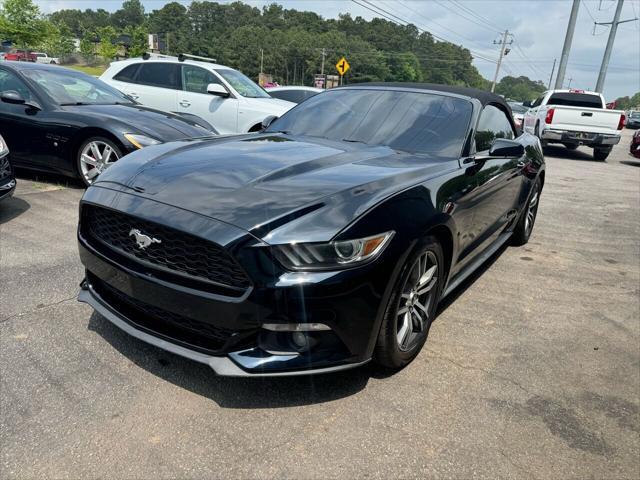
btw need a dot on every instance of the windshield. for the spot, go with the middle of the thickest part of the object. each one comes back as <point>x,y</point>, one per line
<point>242,84</point>
<point>634,115</point>
<point>74,88</point>
<point>406,121</point>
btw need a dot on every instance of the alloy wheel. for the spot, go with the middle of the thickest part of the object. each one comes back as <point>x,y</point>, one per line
<point>416,300</point>
<point>532,210</point>
<point>95,158</point>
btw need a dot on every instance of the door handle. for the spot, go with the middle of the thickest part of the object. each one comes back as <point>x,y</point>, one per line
<point>521,164</point>
<point>185,103</point>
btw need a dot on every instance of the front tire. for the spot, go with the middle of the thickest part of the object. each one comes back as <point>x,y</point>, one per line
<point>95,155</point>
<point>412,306</point>
<point>525,224</point>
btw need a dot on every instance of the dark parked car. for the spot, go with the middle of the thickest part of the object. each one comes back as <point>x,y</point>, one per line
<point>633,120</point>
<point>634,148</point>
<point>7,180</point>
<point>318,244</point>
<point>64,121</point>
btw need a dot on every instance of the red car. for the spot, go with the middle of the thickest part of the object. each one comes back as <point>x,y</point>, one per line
<point>634,148</point>
<point>21,56</point>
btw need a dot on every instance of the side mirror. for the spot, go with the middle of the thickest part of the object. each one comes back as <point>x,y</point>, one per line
<point>217,89</point>
<point>506,148</point>
<point>526,103</point>
<point>268,121</point>
<point>12,97</point>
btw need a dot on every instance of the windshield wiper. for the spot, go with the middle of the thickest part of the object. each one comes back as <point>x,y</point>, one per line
<point>352,141</point>
<point>73,103</point>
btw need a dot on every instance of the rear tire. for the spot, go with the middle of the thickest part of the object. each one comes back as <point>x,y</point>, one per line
<point>409,313</point>
<point>601,154</point>
<point>527,220</point>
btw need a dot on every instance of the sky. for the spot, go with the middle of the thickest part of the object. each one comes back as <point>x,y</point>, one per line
<point>538,28</point>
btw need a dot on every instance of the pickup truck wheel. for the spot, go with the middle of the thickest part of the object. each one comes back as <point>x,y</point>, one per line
<point>539,135</point>
<point>601,154</point>
<point>412,306</point>
<point>524,227</point>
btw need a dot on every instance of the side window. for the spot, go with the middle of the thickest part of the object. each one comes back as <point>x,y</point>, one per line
<point>128,74</point>
<point>289,95</point>
<point>537,102</point>
<point>10,81</point>
<point>196,79</point>
<point>493,124</point>
<point>155,74</point>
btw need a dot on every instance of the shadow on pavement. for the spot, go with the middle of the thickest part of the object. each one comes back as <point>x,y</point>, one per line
<point>631,163</point>
<point>229,392</point>
<point>11,208</point>
<point>50,178</point>
<point>564,153</point>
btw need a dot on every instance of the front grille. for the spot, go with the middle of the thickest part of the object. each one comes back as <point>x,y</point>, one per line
<point>160,322</point>
<point>187,256</point>
<point>5,168</point>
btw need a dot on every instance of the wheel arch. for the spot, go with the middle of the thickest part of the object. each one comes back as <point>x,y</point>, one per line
<point>443,234</point>
<point>87,133</point>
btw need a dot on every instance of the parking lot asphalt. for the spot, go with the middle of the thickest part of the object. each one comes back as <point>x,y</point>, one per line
<point>532,370</point>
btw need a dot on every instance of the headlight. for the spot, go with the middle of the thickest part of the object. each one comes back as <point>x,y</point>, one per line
<point>333,255</point>
<point>3,147</point>
<point>141,141</point>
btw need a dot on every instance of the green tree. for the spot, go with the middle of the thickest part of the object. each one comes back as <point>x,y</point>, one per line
<point>106,48</point>
<point>131,14</point>
<point>138,43</point>
<point>21,22</point>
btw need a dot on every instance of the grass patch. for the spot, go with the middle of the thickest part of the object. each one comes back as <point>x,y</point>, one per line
<point>95,71</point>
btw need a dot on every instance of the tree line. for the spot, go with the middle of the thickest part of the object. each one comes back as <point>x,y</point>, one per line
<point>287,43</point>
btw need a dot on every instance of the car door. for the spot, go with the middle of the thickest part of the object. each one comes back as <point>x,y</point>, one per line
<point>23,127</point>
<point>156,85</point>
<point>193,99</point>
<point>497,184</point>
<point>530,117</point>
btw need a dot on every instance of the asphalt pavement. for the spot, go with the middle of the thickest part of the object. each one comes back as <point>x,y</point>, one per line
<point>532,370</point>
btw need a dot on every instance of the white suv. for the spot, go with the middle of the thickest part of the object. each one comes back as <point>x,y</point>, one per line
<point>222,96</point>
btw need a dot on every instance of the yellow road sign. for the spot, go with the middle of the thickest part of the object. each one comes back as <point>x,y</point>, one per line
<point>342,66</point>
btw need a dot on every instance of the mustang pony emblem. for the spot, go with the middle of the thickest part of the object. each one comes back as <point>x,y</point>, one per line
<point>143,240</point>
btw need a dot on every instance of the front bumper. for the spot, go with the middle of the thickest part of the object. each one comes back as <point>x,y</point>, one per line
<point>350,302</point>
<point>581,138</point>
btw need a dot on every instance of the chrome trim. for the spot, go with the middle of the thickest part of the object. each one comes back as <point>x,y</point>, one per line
<point>222,366</point>
<point>295,327</point>
<point>8,186</point>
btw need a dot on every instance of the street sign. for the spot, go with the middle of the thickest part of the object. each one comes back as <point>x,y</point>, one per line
<point>342,66</point>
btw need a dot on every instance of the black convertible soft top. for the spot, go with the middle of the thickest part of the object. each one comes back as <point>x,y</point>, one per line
<point>482,95</point>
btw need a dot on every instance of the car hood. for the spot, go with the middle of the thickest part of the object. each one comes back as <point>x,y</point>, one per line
<point>273,106</point>
<point>163,126</point>
<point>257,180</point>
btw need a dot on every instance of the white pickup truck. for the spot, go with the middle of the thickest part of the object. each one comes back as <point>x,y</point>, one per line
<point>575,117</point>
<point>42,57</point>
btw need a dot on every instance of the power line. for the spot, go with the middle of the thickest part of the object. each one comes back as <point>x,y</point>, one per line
<point>465,15</point>
<point>477,15</point>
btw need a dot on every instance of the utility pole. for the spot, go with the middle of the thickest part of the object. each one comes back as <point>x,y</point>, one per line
<point>566,48</point>
<point>503,52</point>
<point>570,80</point>
<point>322,67</point>
<point>551,76</point>
<point>612,38</point>
<point>262,60</point>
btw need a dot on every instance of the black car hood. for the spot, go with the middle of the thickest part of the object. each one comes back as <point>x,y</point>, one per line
<point>161,125</point>
<point>255,180</point>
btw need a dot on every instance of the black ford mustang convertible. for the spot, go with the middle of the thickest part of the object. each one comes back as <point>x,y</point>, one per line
<point>323,242</point>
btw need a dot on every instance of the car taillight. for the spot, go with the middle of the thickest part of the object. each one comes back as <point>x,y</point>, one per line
<point>621,121</point>
<point>549,117</point>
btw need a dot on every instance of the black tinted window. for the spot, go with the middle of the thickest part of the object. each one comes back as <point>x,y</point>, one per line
<point>295,96</point>
<point>128,74</point>
<point>584,100</point>
<point>164,75</point>
<point>537,102</point>
<point>493,124</point>
<point>10,82</point>
<point>413,122</point>
<point>196,79</point>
